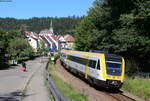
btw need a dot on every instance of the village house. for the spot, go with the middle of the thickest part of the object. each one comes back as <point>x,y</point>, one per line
<point>52,42</point>
<point>33,40</point>
<point>69,41</point>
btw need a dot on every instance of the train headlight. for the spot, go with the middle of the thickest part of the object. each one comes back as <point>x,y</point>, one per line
<point>114,83</point>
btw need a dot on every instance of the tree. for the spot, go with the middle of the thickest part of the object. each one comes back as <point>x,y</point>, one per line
<point>13,45</point>
<point>61,25</point>
<point>17,46</point>
<point>120,27</point>
<point>42,49</point>
<point>3,48</point>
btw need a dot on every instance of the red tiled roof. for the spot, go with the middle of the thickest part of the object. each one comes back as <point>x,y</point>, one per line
<point>70,38</point>
<point>36,35</point>
<point>32,34</point>
<point>56,37</point>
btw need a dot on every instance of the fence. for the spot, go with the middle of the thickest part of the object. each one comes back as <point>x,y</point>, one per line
<point>143,74</point>
<point>51,85</point>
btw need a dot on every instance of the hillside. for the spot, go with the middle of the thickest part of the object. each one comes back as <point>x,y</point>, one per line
<point>63,25</point>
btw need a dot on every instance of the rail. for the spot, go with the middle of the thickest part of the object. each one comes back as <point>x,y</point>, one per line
<point>58,96</point>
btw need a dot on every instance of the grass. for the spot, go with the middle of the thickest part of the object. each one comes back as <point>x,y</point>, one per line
<point>64,86</point>
<point>138,86</point>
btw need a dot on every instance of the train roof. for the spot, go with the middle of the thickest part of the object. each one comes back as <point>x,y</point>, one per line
<point>108,55</point>
<point>98,51</point>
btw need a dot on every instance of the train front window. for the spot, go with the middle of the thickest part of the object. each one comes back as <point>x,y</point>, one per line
<point>114,68</point>
<point>113,65</point>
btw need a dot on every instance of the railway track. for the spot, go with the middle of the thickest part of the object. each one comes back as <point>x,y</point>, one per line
<point>92,93</point>
<point>121,97</point>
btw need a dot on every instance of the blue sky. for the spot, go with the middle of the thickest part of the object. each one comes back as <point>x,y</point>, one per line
<point>44,8</point>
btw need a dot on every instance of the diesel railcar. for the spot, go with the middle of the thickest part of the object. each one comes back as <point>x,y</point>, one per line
<point>100,68</point>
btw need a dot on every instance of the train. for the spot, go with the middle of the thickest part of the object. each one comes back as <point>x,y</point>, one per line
<point>98,67</point>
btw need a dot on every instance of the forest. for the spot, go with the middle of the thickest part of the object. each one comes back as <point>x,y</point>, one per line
<point>120,27</point>
<point>63,25</point>
<point>13,43</point>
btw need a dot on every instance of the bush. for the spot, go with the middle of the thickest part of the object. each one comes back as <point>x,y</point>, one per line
<point>57,56</point>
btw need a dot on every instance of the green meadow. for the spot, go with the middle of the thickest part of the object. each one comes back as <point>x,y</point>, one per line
<point>138,86</point>
<point>64,86</point>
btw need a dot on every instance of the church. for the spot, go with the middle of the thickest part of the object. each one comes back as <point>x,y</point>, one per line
<point>50,38</point>
<point>47,31</point>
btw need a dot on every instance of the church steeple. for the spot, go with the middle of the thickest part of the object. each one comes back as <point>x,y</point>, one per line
<point>51,28</point>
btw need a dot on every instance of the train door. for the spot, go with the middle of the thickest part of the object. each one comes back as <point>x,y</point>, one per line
<point>95,68</point>
<point>92,67</point>
<point>98,69</point>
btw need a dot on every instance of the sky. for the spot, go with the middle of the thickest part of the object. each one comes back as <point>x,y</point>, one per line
<point>25,9</point>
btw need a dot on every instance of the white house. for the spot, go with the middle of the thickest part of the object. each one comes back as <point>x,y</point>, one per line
<point>69,41</point>
<point>33,40</point>
<point>62,42</point>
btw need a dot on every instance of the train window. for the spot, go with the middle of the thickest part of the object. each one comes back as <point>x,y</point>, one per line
<point>98,65</point>
<point>92,63</point>
<point>113,65</point>
<point>78,59</point>
<point>70,58</point>
<point>84,61</point>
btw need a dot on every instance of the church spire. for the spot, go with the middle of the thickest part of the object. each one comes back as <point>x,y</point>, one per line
<point>51,28</point>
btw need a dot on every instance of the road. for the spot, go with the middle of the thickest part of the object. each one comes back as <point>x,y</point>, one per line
<point>13,80</point>
<point>36,90</point>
